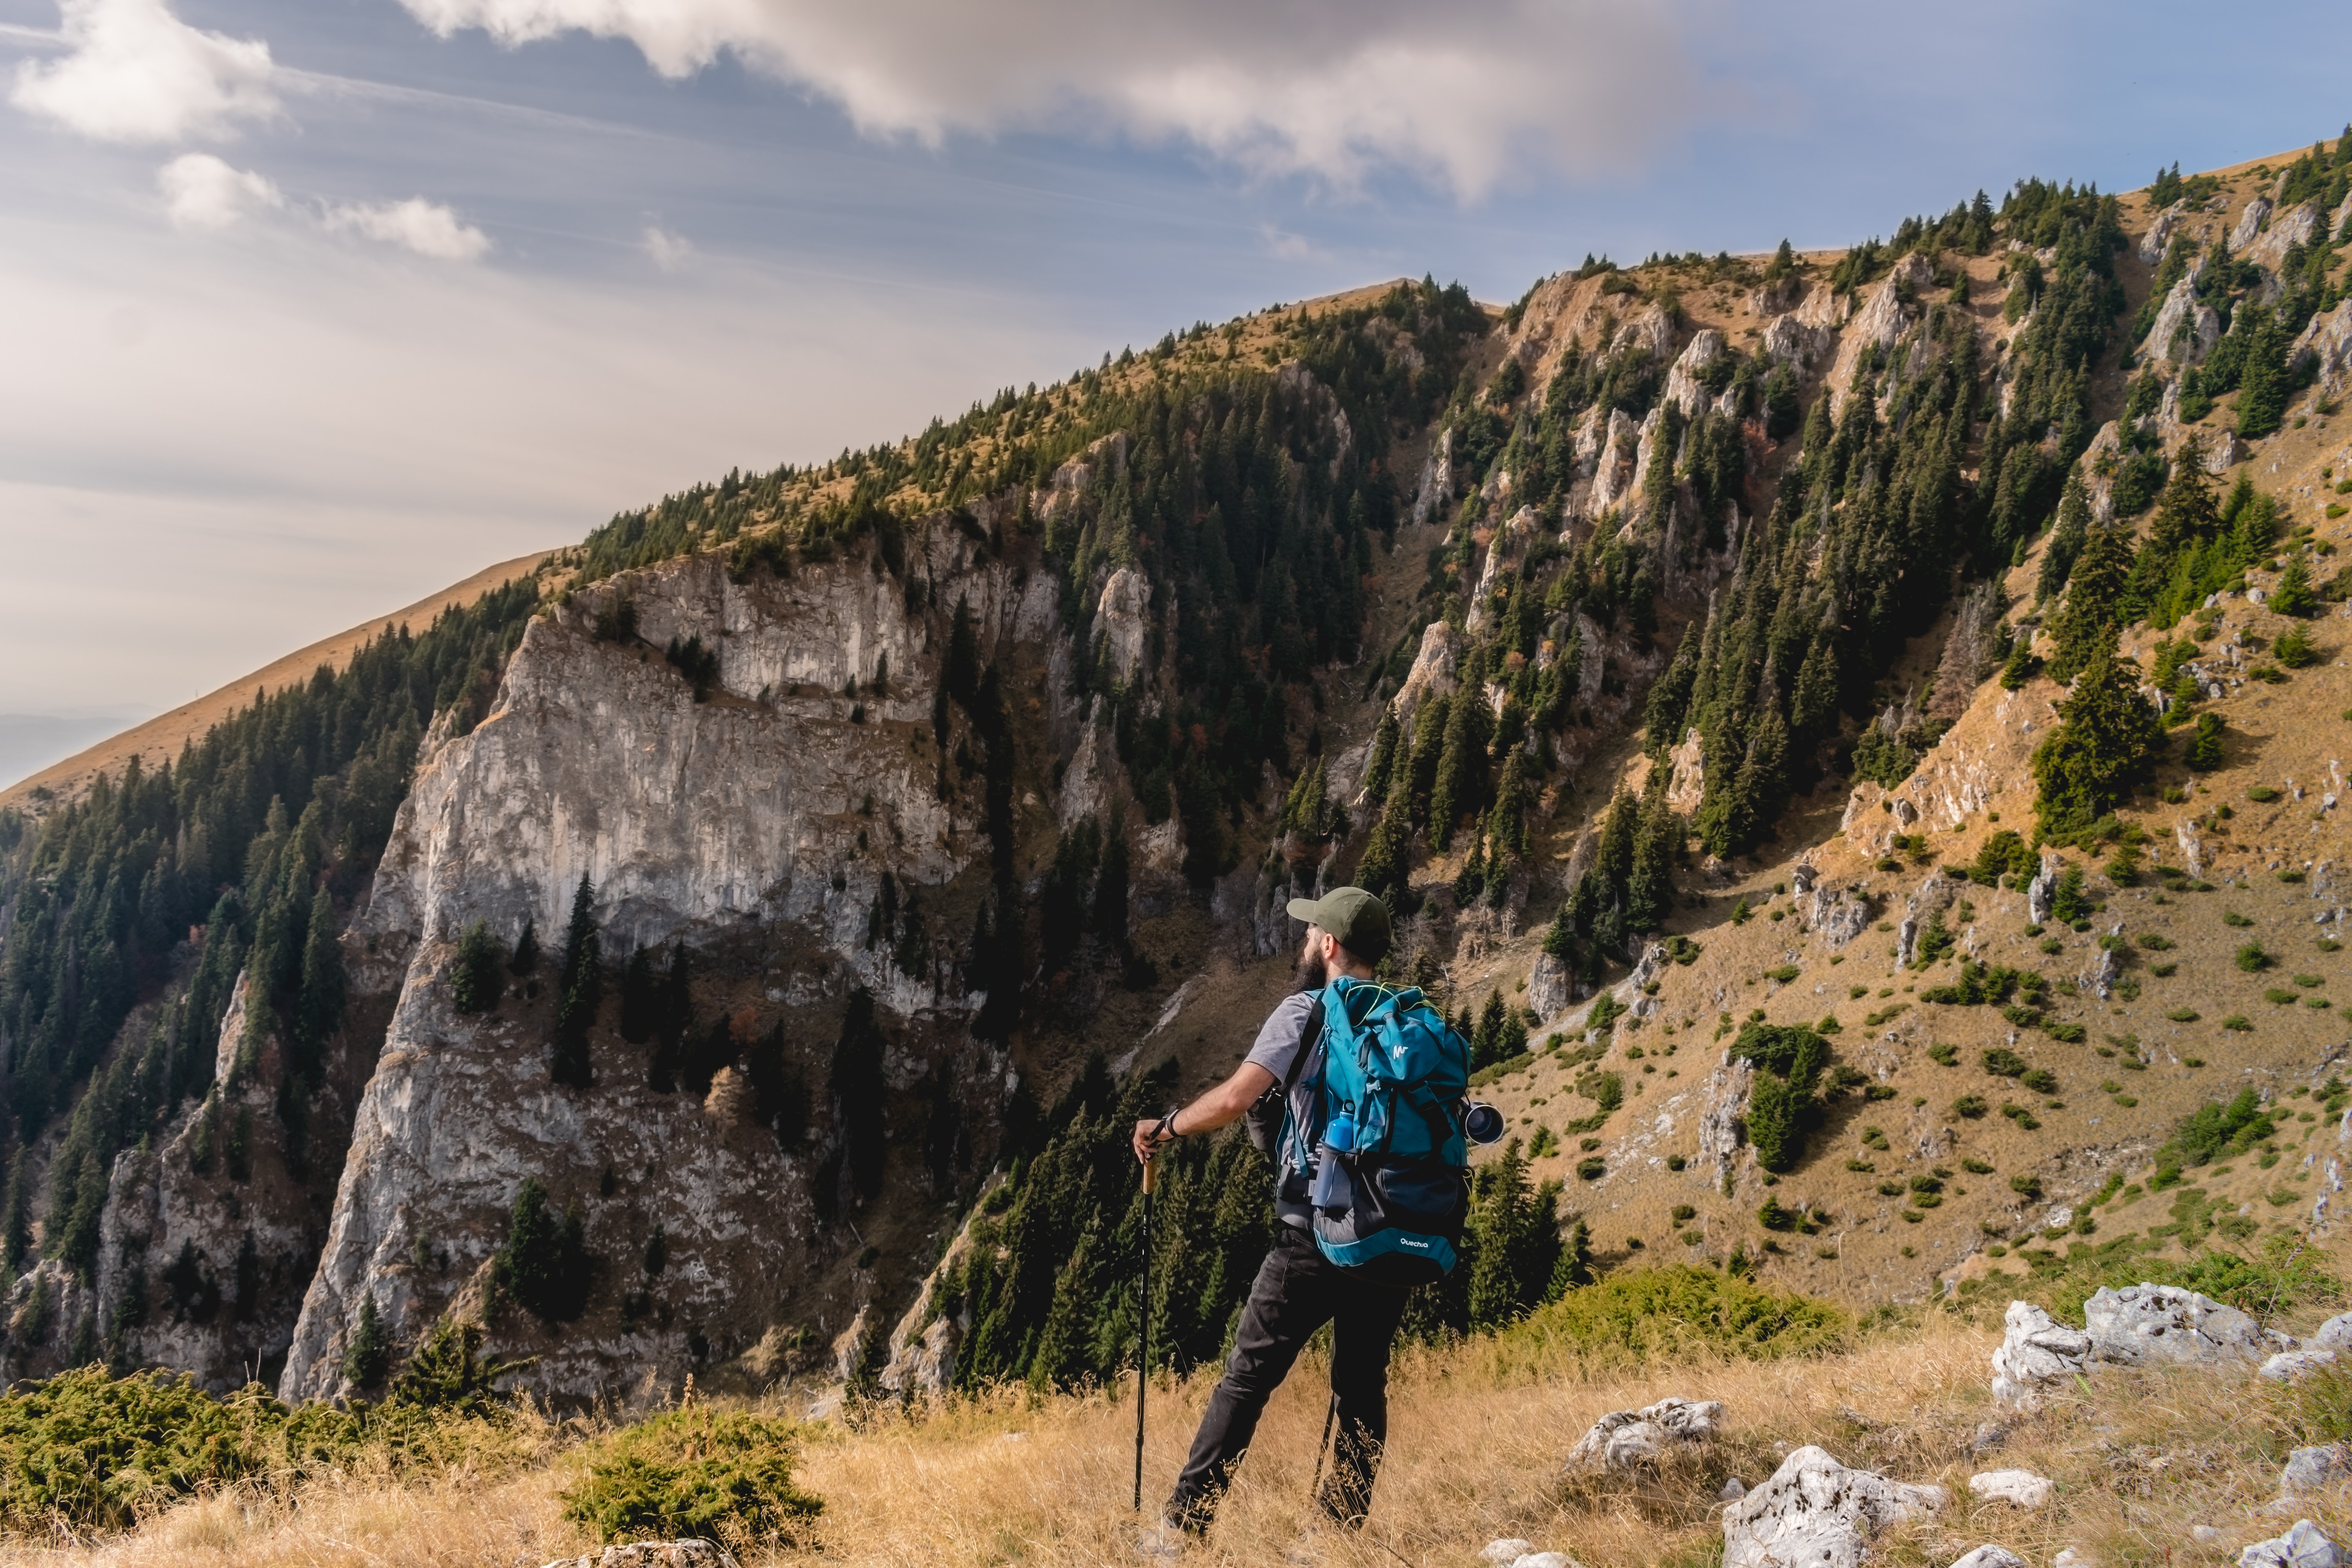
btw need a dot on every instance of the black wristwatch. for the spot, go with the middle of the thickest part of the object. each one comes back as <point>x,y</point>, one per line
<point>1167,1125</point>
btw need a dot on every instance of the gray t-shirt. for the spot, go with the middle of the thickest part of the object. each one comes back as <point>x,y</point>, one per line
<point>1273,1049</point>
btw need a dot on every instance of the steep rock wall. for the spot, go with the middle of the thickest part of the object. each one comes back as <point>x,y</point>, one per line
<point>758,825</point>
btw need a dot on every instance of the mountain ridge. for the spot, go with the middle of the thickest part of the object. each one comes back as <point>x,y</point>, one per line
<point>1118,662</point>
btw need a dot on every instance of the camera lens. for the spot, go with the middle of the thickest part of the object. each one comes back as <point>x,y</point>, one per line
<point>1483,1124</point>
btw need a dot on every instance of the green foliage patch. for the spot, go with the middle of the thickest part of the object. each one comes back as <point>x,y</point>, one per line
<point>98,1452</point>
<point>694,1474</point>
<point>1660,1313</point>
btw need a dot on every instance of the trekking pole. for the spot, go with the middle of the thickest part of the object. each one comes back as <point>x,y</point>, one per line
<point>1143,1355</point>
<point>1331,1412</point>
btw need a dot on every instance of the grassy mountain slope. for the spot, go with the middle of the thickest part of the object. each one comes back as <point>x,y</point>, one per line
<point>161,738</point>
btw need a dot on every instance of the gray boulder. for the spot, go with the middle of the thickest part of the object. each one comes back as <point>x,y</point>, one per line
<point>1991,1556</point>
<point>2314,1470</point>
<point>1816,1513</point>
<point>2336,1334</point>
<point>1629,1439</point>
<point>2022,1488</point>
<point>1510,1549</point>
<point>2302,1546</point>
<point>653,1554</point>
<point>2250,223</point>
<point>1550,987</point>
<point>2145,1324</point>
<point>2288,1365</point>
<point>2035,1349</point>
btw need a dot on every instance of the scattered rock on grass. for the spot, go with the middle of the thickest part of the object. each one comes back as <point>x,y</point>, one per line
<point>2336,1334</point>
<point>2311,1470</point>
<point>1547,1560</point>
<point>2145,1324</point>
<point>2035,1349</point>
<point>1816,1512</point>
<point>2302,1546</point>
<point>1627,1440</point>
<point>2288,1365</point>
<point>1992,1435</point>
<point>1733,1491</point>
<point>1991,1556</point>
<point>653,1554</point>
<point>1508,1549</point>
<point>2022,1488</point>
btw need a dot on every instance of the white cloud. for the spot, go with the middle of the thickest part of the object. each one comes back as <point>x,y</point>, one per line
<point>137,73</point>
<point>200,191</point>
<point>1285,246</point>
<point>428,228</point>
<point>1462,94</point>
<point>671,252</point>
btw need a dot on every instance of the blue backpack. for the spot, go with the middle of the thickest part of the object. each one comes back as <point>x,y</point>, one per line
<point>1399,1194</point>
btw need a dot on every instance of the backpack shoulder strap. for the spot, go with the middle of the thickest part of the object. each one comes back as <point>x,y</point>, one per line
<point>1307,1037</point>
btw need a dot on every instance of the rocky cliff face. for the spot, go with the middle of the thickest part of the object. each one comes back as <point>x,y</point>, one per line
<point>756,828</point>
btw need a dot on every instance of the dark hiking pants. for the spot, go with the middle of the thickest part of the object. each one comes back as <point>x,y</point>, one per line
<point>1298,1291</point>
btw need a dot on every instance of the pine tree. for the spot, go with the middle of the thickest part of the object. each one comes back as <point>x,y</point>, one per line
<point>2294,594</point>
<point>1386,861</point>
<point>1575,1268</point>
<point>1649,887</point>
<point>2262,382</point>
<point>2066,540</point>
<point>2105,737</point>
<point>961,678</point>
<point>474,981</point>
<point>544,1264</point>
<point>2085,621</point>
<point>2018,668</point>
<point>526,949</point>
<point>1487,1039</point>
<point>2204,752</point>
<point>15,1215</point>
<point>368,1356</point>
<point>1462,767</point>
<point>1506,827</point>
<point>319,1007</point>
<point>580,990</point>
<point>1429,727</point>
<point>1760,788</point>
<point>1813,705</point>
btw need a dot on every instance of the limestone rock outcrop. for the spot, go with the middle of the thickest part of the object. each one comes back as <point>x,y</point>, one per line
<point>653,1554</point>
<point>2145,1324</point>
<point>1816,1513</point>
<point>761,822</point>
<point>2035,1349</point>
<point>1631,1439</point>
<point>2250,224</point>
<point>2304,1545</point>
<point>2023,1487</point>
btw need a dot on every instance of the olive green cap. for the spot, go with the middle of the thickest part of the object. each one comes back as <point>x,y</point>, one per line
<point>1356,919</point>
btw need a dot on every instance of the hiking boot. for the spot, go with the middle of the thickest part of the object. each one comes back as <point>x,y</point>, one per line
<point>1162,1542</point>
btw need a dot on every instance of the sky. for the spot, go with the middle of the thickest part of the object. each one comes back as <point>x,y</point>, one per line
<point>309,308</point>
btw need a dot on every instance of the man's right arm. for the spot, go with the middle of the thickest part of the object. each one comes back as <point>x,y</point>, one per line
<point>1213,1109</point>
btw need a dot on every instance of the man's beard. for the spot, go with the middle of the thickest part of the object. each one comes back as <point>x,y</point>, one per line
<point>1311,974</point>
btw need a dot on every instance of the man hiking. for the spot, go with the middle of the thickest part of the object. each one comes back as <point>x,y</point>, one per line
<point>1297,1290</point>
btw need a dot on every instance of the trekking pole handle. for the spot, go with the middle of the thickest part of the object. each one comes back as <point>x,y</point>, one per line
<point>1151,1176</point>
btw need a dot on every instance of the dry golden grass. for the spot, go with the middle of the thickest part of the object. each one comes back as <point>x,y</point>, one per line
<point>1478,1432</point>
